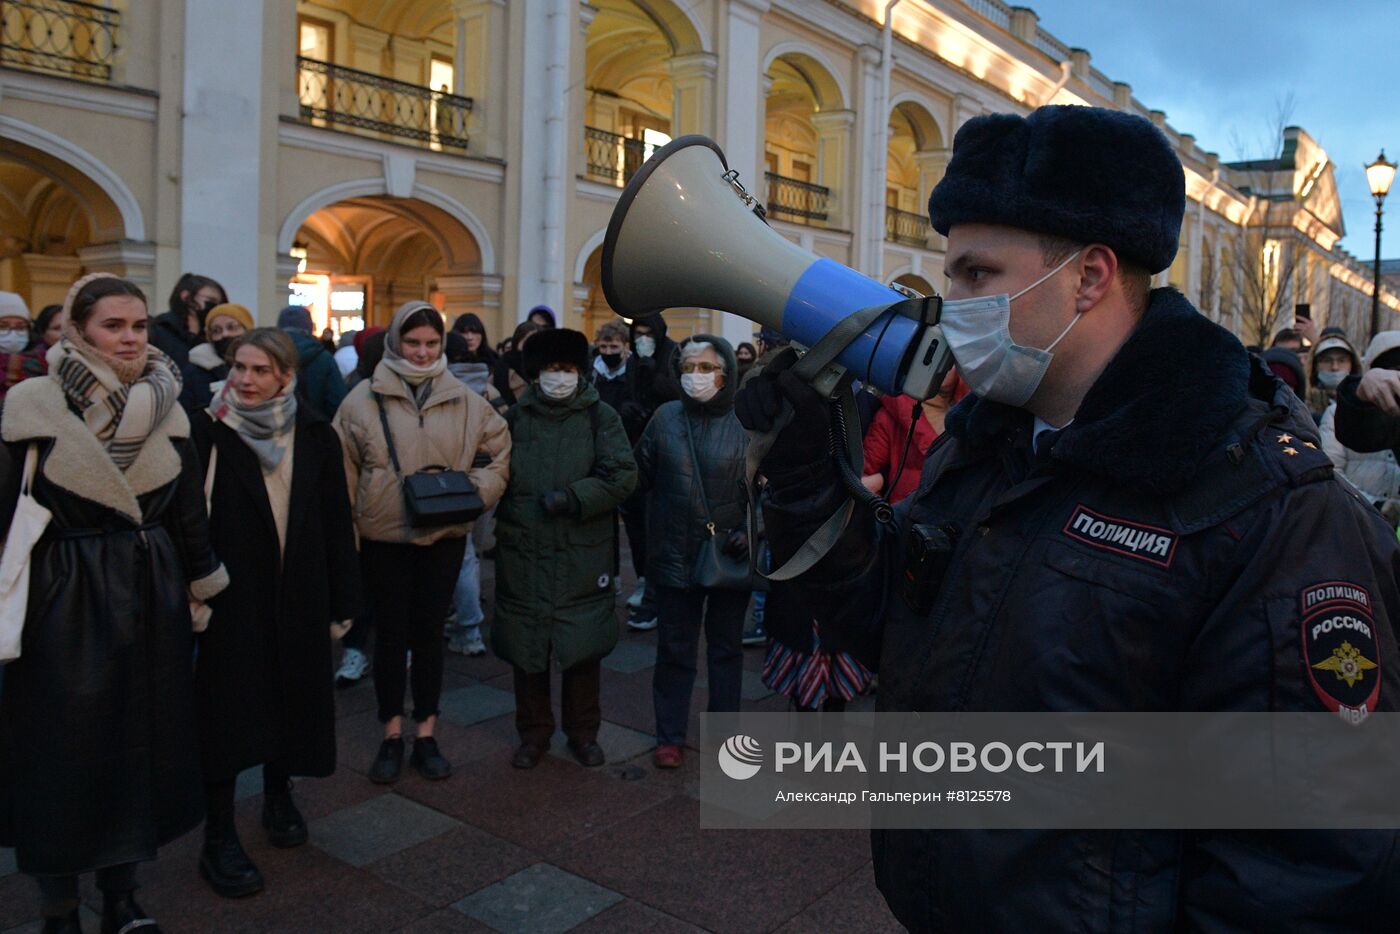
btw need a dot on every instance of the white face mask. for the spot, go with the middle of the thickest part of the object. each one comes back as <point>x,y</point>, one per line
<point>558,386</point>
<point>13,341</point>
<point>645,345</point>
<point>1330,379</point>
<point>699,386</point>
<point>978,331</point>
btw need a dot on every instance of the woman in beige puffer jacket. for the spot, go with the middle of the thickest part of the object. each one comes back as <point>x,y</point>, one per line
<point>409,573</point>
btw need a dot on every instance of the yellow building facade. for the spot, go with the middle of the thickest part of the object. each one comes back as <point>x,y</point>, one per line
<point>353,154</point>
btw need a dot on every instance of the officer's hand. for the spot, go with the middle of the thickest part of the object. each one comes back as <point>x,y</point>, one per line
<point>558,503</point>
<point>1381,388</point>
<point>736,545</point>
<point>760,403</point>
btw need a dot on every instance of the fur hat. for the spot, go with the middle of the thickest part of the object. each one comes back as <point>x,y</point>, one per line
<point>1084,173</point>
<point>554,345</point>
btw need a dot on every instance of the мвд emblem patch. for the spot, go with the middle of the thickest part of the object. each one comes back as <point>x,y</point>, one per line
<point>1341,654</point>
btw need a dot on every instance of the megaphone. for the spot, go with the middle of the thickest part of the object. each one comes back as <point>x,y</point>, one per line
<point>685,233</point>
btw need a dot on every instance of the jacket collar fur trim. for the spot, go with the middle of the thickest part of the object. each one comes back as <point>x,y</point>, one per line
<point>36,409</point>
<point>1160,407</point>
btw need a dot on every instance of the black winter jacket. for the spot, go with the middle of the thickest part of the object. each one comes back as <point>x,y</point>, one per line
<point>675,514</point>
<point>1154,556</point>
<point>1360,425</point>
<point>171,334</point>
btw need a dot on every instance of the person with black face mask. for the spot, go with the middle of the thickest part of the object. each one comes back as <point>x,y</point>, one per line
<point>178,331</point>
<point>610,364</point>
<point>208,363</point>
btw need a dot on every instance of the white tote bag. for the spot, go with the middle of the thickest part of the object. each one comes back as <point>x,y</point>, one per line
<point>26,527</point>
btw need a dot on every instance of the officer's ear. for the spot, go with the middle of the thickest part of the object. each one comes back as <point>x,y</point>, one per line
<point>1098,275</point>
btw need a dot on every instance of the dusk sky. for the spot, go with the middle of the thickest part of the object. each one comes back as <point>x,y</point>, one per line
<point>1219,68</point>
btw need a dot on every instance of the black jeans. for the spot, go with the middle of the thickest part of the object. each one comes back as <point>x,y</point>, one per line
<point>679,620</point>
<point>410,593</point>
<point>218,799</point>
<point>58,895</point>
<point>578,704</point>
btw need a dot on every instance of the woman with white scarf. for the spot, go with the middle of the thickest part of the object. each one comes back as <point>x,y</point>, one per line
<point>410,572</point>
<point>98,751</point>
<point>280,519</point>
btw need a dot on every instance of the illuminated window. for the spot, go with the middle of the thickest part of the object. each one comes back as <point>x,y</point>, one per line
<point>315,39</point>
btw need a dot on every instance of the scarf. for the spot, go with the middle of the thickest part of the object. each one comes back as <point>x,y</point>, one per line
<point>266,427</point>
<point>121,401</point>
<point>415,376</point>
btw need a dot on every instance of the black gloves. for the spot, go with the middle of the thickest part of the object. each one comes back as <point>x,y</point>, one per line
<point>736,545</point>
<point>759,404</point>
<point>559,503</point>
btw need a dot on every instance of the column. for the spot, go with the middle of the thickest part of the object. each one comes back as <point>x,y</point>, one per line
<point>478,70</point>
<point>50,277</point>
<point>366,48</point>
<point>410,61</point>
<point>872,135</point>
<point>222,153</point>
<point>693,82</point>
<point>741,124</point>
<point>933,165</point>
<point>833,162</point>
<point>965,107</point>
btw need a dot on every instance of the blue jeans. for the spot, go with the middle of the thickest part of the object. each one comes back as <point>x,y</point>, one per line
<point>466,596</point>
<point>679,621</point>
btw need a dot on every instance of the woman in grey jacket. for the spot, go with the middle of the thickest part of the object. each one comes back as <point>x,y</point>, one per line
<point>678,491</point>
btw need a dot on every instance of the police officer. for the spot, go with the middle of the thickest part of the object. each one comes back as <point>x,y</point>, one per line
<point>1128,514</point>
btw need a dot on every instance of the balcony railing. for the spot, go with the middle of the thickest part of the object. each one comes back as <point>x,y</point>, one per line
<point>62,37</point>
<point>333,95</point>
<point>907,227</point>
<point>791,199</point>
<point>612,157</point>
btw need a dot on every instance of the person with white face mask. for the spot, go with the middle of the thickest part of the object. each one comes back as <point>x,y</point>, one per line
<point>17,361</point>
<point>1331,361</point>
<point>691,461</point>
<point>1126,499</point>
<point>556,557</point>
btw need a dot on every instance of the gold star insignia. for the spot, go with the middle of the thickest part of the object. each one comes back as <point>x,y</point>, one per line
<point>1309,444</point>
<point>1347,663</point>
<point>1290,451</point>
<point>1284,439</point>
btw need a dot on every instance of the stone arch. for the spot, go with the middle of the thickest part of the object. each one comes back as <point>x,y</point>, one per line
<point>373,187</point>
<point>585,253</point>
<point>827,83</point>
<point>915,281</point>
<point>922,114</point>
<point>115,211</point>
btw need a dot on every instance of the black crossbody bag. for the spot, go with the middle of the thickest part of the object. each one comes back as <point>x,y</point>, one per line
<point>713,569</point>
<point>436,495</point>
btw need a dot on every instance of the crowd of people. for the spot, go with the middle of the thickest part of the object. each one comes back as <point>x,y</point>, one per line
<point>258,489</point>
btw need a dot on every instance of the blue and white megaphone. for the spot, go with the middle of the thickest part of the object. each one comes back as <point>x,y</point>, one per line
<point>685,233</point>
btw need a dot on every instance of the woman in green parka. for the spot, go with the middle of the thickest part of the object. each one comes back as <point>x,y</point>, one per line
<point>571,466</point>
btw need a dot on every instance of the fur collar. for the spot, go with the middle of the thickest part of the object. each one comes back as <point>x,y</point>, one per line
<point>1162,404</point>
<point>36,409</point>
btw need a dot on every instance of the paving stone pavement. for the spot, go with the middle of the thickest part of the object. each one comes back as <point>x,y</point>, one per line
<point>558,848</point>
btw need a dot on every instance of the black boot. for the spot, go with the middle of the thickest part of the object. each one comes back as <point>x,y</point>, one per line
<point>65,924</point>
<point>428,760</point>
<point>285,826</point>
<point>388,763</point>
<point>121,915</point>
<point>225,866</point>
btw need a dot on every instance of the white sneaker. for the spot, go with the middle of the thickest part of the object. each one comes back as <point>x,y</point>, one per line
<point>467,643</point>
<point>641,625</point>
<point>353,666</point>
<point>635,600</point>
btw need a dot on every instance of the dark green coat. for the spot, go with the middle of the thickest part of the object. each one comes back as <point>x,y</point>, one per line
<point>554,575</point>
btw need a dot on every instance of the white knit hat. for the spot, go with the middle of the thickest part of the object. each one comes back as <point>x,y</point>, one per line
<point>12,306</point>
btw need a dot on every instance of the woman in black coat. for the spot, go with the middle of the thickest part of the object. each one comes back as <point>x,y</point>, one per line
<point>98,760</point>
<point>280,518</point>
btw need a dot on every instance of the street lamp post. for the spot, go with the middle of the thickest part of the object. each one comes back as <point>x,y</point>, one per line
<point>1379,175</point>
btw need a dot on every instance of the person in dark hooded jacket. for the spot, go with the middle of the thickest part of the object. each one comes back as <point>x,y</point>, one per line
<point>319,382</point>
<point>179,330</point>
<point>1123,528</point>
<point>683,498</point>
<point>208,361</point>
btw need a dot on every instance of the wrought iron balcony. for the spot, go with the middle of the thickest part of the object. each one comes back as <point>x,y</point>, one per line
<point>908,227</point>
<point>333,95</point>
<point>612,157</point>
<point>61,37</point>
<point>792,199</point>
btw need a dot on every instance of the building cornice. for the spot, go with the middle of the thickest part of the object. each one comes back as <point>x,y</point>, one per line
<point>134,103</point>
<point>294,133</point>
